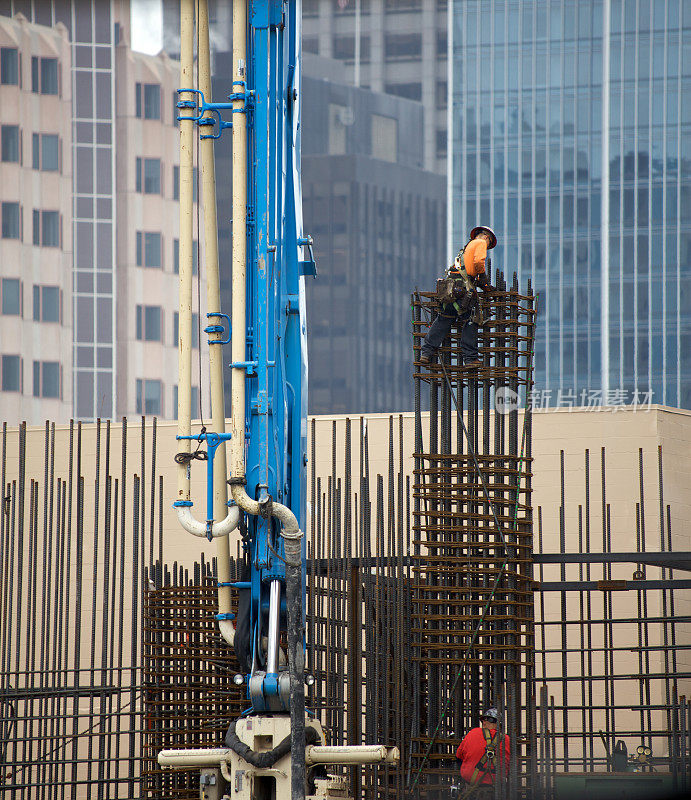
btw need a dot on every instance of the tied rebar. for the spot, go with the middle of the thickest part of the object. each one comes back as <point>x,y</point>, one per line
<point>472,621</point>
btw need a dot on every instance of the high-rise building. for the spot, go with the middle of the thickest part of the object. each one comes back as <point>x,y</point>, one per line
<point>378,222</point>
<point>147,193</point>
<point>88,307</point>
<point>394,47</point>
<point>90,29</point>
<point>571,136</point>
<point>36,235</point>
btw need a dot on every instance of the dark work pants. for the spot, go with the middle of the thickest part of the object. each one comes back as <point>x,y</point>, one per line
<point>440,329</point>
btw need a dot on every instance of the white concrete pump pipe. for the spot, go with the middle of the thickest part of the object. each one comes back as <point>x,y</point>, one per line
<point>186,236</point>
<point>315,754</point>
<point>229,518</point>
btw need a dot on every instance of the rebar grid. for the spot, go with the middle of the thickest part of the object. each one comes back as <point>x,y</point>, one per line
<point>73,554</point>
<point>189,697</point>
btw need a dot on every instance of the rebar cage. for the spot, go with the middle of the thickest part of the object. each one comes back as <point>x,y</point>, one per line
<point>473,628</point>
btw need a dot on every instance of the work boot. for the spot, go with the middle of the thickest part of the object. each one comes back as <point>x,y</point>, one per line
<point>475,364</point>
<point>425,358</point>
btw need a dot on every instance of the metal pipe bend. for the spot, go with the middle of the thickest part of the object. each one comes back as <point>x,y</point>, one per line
<point>197,528</point>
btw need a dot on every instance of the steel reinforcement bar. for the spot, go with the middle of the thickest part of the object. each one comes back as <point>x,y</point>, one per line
<point>472,621</point>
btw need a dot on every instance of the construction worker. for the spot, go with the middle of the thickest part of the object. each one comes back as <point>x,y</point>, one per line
<point>461,302</point>
<point>480,753</point>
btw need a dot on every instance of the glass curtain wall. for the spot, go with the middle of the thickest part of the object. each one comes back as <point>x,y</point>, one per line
<point>571,136</point>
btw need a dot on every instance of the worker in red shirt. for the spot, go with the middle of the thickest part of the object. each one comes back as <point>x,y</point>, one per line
<point>466,273</point>
<point>481,753</point>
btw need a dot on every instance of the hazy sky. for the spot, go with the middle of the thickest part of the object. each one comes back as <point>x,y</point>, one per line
<point>147,26</point>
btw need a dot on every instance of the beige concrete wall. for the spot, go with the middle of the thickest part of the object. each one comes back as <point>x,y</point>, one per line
<point>622,434</point>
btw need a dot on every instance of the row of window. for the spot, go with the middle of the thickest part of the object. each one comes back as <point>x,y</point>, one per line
<point>149,252</point>
<point>47,377</point>
<point>46,149</point>
<point>47,300</point>
<point>47,225</point>
<point>149,326</point>
<point>149,399</point>
<point>148,179</point>
<point>45,72</point>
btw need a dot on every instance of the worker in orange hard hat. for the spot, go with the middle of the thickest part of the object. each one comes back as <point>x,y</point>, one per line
<point>459,300</point>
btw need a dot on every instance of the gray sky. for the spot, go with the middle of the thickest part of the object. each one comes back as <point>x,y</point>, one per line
<point>147,26</point>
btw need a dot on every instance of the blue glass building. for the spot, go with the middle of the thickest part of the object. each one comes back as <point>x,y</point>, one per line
<point>570,126</point>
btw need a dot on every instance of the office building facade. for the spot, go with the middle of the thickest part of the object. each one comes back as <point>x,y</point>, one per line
<point>394,47</point>
<point>36,235</point>
<point>571,136</point>
<point>378,222</point>
<point>89,138</point>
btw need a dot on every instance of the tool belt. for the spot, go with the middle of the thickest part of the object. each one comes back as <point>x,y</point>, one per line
<point>459,294</point>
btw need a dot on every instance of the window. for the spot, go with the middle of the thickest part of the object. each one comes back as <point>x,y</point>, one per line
<point>152,101</point>
<point>149,323</point>
<point>10,143</point>
<point>47,304</point>
<point>9,66</point>
<point>148,175</point>
<point>411,91</point>
<point>148,249</point>
<point>384,138</point>
<point>45,152</point>
<point>12,296</point>
<point>11,374</point>
<point>46,225</point>
<point>44,75</point>
<point>442,94</point>
<point>344,47</point>
<point>402,46</point>
<point>152,249</point>
<point>49,76</point>
<point>11,221</point>
<point>310,44</point>
<point>47,379</point>
<point>148,100</point>
<point>148,397</point>
<point>441,143</point>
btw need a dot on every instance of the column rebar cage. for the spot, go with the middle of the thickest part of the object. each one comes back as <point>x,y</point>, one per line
<point>472,622</point>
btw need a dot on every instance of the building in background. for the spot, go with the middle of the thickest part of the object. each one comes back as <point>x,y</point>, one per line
<point>378,219</point>
<point>36,208</point>
<point>147,191</point>
<point>394,47</point>
<point>571,136</point>
<point>378,222</point>
<point>89,137</point>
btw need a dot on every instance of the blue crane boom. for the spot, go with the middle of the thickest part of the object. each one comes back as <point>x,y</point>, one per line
<point>267,333</point>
